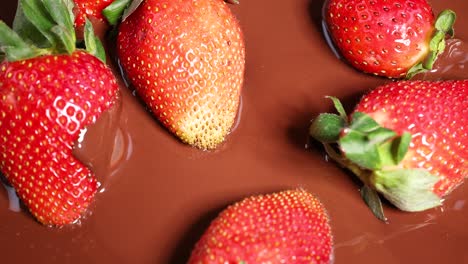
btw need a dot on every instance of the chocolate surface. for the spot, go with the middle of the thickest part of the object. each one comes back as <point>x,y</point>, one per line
<point>157,195</point>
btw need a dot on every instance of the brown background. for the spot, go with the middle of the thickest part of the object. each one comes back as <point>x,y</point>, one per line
<point>162,195</point>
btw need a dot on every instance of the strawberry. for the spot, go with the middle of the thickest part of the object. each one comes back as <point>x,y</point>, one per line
<point>388,38</point>
<point>286,227</point>
<point>48,95</point>
<point>94,11</point>
<point>87,9</point>
<point>186,60</point>
<point>405,140</point>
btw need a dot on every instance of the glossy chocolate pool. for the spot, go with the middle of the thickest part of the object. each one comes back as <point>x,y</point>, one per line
<point>158,195</point>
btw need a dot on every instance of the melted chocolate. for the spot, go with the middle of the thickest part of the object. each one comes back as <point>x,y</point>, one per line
<point>157,195</point>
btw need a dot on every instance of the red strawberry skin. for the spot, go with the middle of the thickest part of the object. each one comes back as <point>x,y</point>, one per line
<point>383,38</point>
<point>186,60</point>
<point>44,103</point>
<point>436,114</point>
<point>286,227</point>
<point>89,9</point>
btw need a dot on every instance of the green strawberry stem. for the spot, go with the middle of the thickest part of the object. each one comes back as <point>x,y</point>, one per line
<point>44,28</point>
<point>443,27</point>
<point>374,154</point>
<point>115,11</point>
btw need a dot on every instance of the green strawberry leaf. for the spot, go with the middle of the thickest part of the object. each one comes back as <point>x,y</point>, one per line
<point>27,31</point>
<point>436,46</point>
<point>64,29</point>
<point>67,40</point>
<point>60,13</point>
<point>36,14</point>
<point>394,150</point>
<point>372,199</point>
<point>131,8</point>
<point>380,135</point>
<point>363,139</point>
<point>70,5</point>
<point>326,128</point>
<point>114,12</point>
<point>358,149</point>
<point>339,107</point>
<point>401,145</point>
<point>92,42</point>
<point>51,24</point>
<point>416,69</point>
<point>363,123</point>
<point>444,26</point>
<point>13,47</point>
<point>445,22</point>
<point>46,24</point>
<point>408,189</point>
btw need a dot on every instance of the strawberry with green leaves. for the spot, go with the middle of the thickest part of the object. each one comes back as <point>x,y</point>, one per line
<point>186,60</point>
<point>405,140</point>
<point>388,38</point>
<point>48,94</point>
<point>285,227</point>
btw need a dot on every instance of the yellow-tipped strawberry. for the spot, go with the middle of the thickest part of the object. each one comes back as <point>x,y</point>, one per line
<point>186,60</point>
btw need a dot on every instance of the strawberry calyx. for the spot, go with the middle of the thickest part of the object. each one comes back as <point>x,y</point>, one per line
<point>45,28</point>
<point>443,28</point>
<point>374,154</point>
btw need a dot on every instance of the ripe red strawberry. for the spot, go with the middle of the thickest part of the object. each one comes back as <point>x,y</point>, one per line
<point>286,227</point>
<point>47,96</point>
<point>92,10</point>
<point>407,140</point>
<point>388,38</point>
<point>186,60</point>
<point>89,9</point>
